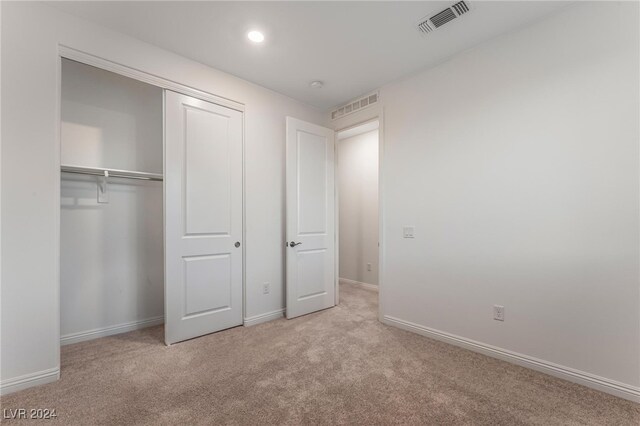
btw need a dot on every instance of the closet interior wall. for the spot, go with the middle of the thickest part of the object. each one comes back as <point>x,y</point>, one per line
<point>111,254</point>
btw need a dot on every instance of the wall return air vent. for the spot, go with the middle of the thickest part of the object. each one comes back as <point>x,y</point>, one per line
<point>354,106</point>
<point>428,24</point>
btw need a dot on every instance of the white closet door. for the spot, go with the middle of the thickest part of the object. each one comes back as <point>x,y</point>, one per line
<point>203,217</point>
<point>311,248</point>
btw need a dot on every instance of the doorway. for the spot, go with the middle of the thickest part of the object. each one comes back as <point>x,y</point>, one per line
<point>358,205</point>
<point>147,237</point>
<point>111,227</point>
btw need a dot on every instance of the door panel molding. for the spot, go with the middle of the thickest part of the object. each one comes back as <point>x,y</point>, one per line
<point>204,218</point>
<point>311,272</point>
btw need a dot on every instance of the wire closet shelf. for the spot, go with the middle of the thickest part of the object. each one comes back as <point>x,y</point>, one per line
<point>95,171</point>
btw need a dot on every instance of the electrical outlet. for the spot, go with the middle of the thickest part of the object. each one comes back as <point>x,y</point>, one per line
<point>408,232</point>
<point>498,313</point>
<point>266,287</point>
<point>369,267</point>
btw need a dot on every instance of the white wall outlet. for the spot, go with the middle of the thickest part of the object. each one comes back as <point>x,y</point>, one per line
<point>498,313</point>
<point>266,287</point>
<point>408,232</point>
<point>369,267</point>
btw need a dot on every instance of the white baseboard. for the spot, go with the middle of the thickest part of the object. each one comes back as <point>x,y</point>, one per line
<point>612,387</point>
<point>82,336</point>
<point>365,286</point>
<point>28,380</point>
<point>258,319</point>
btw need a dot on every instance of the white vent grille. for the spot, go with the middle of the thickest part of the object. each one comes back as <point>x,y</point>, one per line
<point>354,106</point>
<point>443,17</point>
<point>428,24</point>
<point>424,26</point>
<point>461,8</point>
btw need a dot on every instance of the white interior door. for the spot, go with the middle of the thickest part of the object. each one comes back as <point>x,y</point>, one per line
<point>311,244</point>
<point>203,217</point>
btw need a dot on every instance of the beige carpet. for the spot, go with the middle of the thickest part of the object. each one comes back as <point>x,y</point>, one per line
<point>338,366</point>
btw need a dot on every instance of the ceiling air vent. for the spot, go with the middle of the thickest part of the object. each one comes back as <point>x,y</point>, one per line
<point>424,26</point>
<point>428,24</point>
<point>443,17</point>
<point>354,106</point>
<point>461,8</point>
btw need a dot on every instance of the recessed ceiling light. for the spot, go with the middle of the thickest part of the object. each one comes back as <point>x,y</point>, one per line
<point>317,84</point>
<point>256,36</point>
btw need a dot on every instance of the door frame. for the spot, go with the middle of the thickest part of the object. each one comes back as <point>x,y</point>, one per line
<point>66,52</point>
<point>346,123</point>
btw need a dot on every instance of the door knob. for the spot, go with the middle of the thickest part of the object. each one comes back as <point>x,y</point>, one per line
<point>237,244</point>
<point>293,244</point>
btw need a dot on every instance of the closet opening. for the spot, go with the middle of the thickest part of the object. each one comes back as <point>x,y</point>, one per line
<point>151,208</point>
<point>111,204</point>
<point>358,204</point>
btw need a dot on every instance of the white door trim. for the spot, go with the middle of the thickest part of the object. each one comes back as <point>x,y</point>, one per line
<point>154,80</point>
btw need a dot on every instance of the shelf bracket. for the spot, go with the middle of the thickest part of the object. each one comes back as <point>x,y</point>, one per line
<point>103,194</point>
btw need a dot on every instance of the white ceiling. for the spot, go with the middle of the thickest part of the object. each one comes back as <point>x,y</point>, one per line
<point>353,47</point>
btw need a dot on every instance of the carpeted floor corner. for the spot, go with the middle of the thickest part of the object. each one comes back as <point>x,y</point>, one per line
<point>339,366</point>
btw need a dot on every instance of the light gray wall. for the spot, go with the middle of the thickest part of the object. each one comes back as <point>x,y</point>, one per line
<point>358,192</point>
<point>517,163</point>
<point>111,255</point>
<point>108,120</point>
<point>31,33</point>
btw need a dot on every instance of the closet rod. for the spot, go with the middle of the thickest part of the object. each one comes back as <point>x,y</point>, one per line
<point>128,174</point>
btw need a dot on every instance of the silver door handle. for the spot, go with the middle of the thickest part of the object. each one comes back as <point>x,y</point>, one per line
<point>293,244</point>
